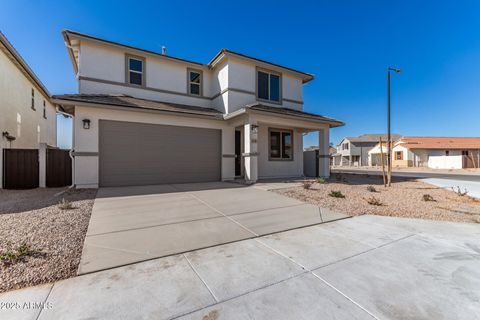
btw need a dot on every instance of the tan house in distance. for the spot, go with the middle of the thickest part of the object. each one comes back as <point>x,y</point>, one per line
<point>432,152</point>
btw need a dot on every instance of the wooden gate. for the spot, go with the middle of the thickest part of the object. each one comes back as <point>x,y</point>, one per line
<point>20,168</point>
<point>59,168</point>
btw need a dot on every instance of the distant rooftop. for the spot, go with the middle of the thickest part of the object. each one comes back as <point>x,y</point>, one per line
<point>440,142</point>
<point>373,137</point>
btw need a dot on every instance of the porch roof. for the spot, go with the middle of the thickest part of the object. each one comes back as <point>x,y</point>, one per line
<point>135,103</point>
<point>285,112</point>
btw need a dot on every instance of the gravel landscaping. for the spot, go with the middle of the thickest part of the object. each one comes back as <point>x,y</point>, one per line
<point>405,198</point>
<point>39,241</point>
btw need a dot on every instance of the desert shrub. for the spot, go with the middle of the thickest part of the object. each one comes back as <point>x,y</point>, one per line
<point>321,180</point>
<point>307,185</point>
<point>336,194</point>
<point>371,189</point>
<point>13,255</point>
<point>65,205</point>
<point>374,201</point>
<point>459,191</point>
<point>427,197</point>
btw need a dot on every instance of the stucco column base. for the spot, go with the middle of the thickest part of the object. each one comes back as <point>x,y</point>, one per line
<point>323,153</point>
<point>250,155</point>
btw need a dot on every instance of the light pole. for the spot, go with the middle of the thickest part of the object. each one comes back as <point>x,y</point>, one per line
<point>389,141</point>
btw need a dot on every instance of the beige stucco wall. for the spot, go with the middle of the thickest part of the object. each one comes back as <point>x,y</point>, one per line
<point>16,115</point>
<point>86,140</point>
<point>107,63</point>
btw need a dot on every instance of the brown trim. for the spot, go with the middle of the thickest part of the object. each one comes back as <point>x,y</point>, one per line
<point>224,52</point>
<point>279,74</point>
<point>125,84</point>
<point>153,53</point>
<point>129,56</point>
<point>201,82</point>
<point>293,101</point>
<point>281,147</point>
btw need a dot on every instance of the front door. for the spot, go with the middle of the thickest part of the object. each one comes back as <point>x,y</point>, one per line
<point>238,153</point>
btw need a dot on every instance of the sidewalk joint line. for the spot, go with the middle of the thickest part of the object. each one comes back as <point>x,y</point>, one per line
<point>201,279</point>
<point>45,301</point>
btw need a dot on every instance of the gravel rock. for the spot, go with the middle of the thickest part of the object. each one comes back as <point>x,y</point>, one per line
<point>403,199</point>
<point>55,236</point>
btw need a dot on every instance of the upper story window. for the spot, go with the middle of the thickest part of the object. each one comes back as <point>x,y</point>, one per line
<point>345,146</point>
<point>32,103</point>
<point>195,79</point>
<point>269,86</point>
<point>44,109</point>
<point>281,145</point>
<point>135,70</point>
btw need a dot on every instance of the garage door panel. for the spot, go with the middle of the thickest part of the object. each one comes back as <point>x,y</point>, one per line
<point>140,154</point>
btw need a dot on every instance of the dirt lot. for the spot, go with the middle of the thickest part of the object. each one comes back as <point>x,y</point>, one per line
<point>39,242</point>
<point>403,199</point>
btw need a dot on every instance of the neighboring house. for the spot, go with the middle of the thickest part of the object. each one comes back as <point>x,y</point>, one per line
<point>433,152</point>
<point>28,117</point>
<point>437,152</point>
<point>353,151</point>
<point>142,117</point>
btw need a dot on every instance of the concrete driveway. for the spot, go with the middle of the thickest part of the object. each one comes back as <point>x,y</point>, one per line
<point>132,224</point>
<point>366,267</point>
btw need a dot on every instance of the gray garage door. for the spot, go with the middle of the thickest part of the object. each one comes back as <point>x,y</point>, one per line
<point>142,154</point>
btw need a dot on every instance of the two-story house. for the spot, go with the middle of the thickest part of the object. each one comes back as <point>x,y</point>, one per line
<point>27,116</point>
<point>142,117</point>
<point>353,151</point>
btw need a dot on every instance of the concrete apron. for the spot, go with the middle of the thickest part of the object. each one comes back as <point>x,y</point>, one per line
<point>133,224</point>
<point>367,267</point>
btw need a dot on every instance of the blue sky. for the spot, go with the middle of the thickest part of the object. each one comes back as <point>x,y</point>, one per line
<point>346,44</point>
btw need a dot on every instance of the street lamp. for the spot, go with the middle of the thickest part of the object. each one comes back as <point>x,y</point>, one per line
<point>389,146</point>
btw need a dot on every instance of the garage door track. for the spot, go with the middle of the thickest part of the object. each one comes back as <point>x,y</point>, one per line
<point>132,224</point>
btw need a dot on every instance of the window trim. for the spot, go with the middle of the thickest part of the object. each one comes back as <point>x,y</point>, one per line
<point>396,155</point>
<point>32,102</point>
<point>270,130</point>
<point>269,72</point>
<point>127,70</point>
<point>44,110</point>
<point>189,82</point>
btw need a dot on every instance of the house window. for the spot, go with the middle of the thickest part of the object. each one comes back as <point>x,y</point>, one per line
<point>44,110</point>
<point>281,145</point>
<point>32,103</point>
<point>465,153</point>
<point>345,146</point>
<point>195,82</point>
<point>135,71</point>
<point>398,155</point>
<point>268,86</point>
<point>447,153</point>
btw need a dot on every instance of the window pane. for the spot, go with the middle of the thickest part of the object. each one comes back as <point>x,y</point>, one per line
<point>136,78</point>
<point>262,84</point>
<point>195,88</point>
<point>274,87</point>
<point>136,65</point>
<point>195,77</point>
<point>287,145</point>
<point>274,144</point>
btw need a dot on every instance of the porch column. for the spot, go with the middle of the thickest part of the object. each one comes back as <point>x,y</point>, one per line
<point>250,156</point>
<point>323,154</point>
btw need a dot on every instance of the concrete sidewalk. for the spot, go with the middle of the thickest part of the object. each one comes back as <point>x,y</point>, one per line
<point>473,187</point>
<point>367,267</point>
<point>132,224</point>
